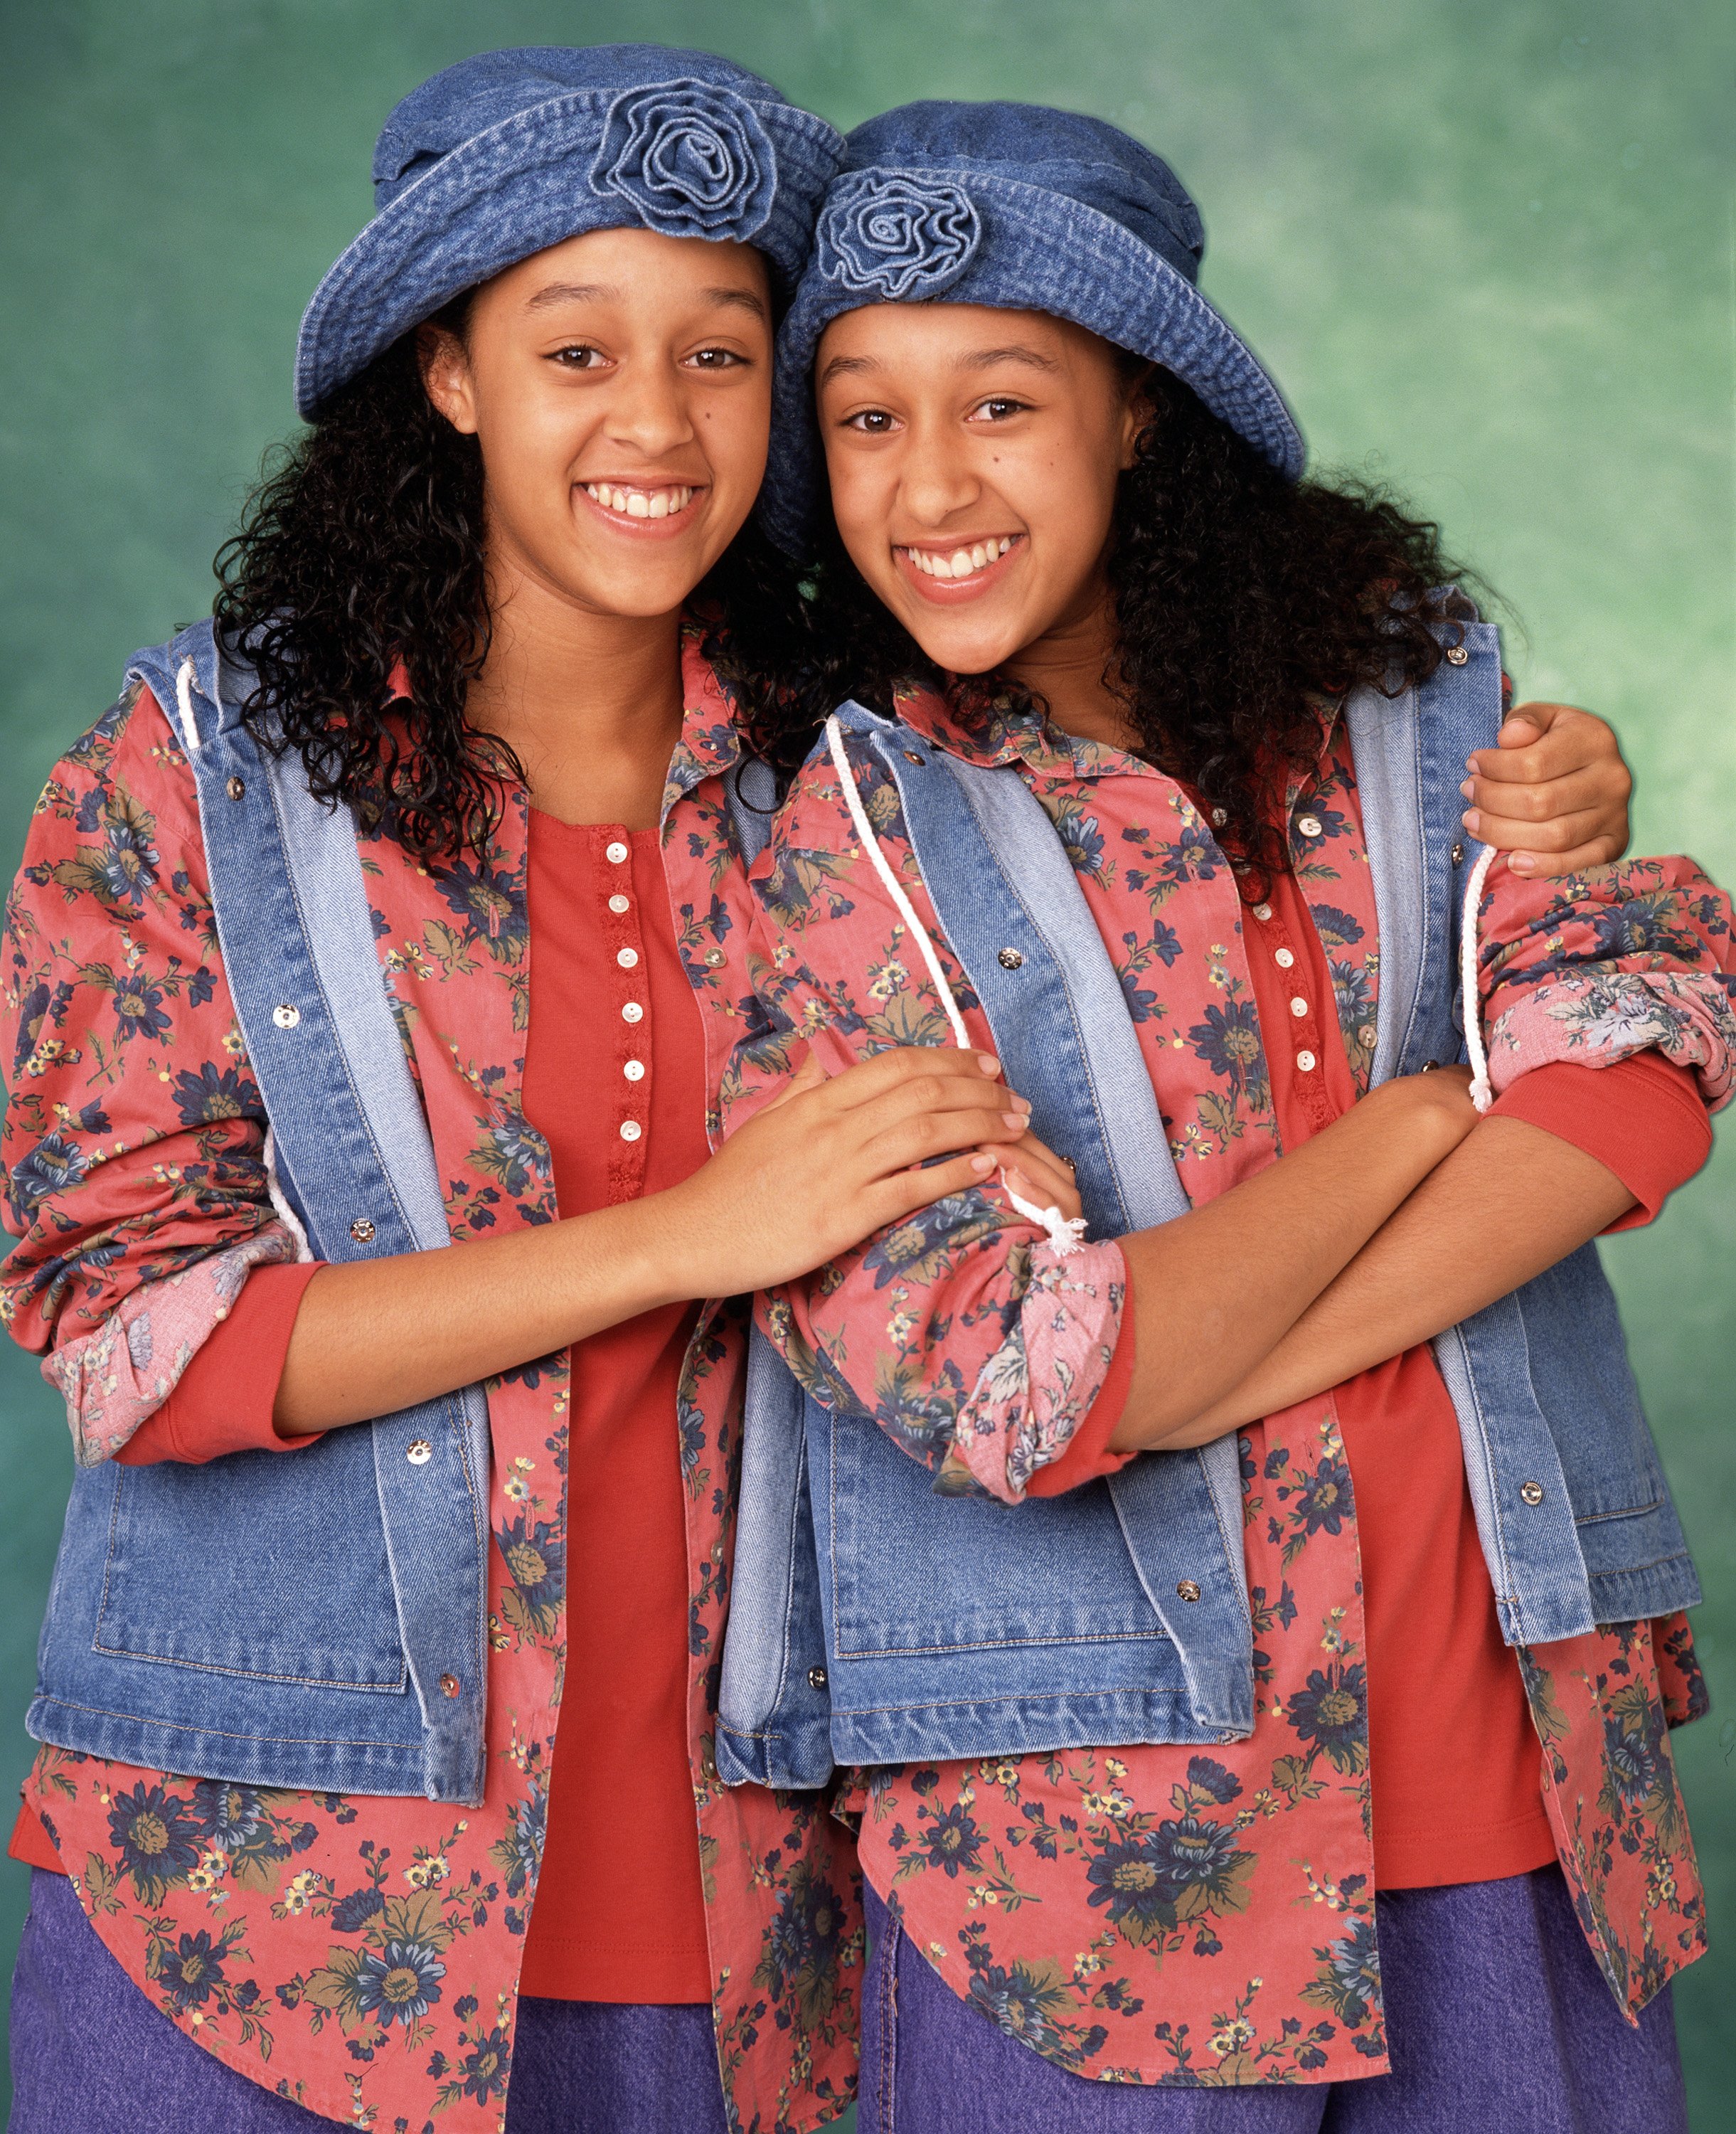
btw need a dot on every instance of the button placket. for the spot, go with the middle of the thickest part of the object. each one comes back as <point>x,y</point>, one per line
<point>620,900</point>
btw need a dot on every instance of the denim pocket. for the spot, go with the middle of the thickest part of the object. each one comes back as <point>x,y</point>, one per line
<point>271,1566</point>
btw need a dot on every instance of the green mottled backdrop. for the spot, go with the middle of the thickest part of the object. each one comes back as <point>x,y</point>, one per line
<point>1489,246</point>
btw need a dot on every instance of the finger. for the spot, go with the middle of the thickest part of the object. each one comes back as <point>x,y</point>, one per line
<point>890,1200</point>
<point>928,1134</point>
<point>1044,1192</point>
<point>869,1079</point>
<point>1574,741</point>
<point>942,1096</point>
<point>1561,833</point>
<point>1591,791</point>
<point>1051,1173</point>
<point>1579,859</point>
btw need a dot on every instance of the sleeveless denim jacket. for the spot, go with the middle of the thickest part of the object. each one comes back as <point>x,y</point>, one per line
<point>290,1622</point>
<point>874,1621</point>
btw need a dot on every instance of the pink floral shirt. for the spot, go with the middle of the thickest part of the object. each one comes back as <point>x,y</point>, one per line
<point>1153,1914</point>
<point>361,1955</point>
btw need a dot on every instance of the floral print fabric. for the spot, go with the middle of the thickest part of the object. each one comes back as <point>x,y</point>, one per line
<point>1152,1914</point>
<point>361,1954</point>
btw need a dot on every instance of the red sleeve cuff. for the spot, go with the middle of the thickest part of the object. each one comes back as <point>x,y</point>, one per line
<point>224,1400</point>
<point>1642,1118</point>
<point>1087,1458</point>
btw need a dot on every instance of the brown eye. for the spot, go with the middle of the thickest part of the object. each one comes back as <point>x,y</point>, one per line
<point>873,422</point>
<point>579,355</point>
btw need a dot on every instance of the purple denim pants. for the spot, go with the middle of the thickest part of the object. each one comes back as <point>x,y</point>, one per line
<point>90,2055</point>
<point>1498,2019</point>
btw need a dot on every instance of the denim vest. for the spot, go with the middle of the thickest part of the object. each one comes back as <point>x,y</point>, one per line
<point>321,1621</point>
<point>874,1621</point>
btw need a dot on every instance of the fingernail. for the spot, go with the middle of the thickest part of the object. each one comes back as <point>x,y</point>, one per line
<point>988,1063</point>
<point>1470,819</point>
<point>1018,1121</point>
<point>982,1165</point>
<point>1520,863</point>
<point>1467,789</point>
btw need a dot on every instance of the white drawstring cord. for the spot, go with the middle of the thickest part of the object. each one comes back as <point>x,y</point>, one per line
<point>184,705</point>
<point>1065,1233</point>
<point>1482,1094</point>
<point>286,1215</point>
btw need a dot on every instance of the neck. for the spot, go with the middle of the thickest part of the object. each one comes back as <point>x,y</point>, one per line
<point>1065,668</point>
<point>591,703</point>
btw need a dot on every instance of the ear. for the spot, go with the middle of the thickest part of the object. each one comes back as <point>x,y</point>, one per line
<point>446,376</point>
<point>1139,410</point>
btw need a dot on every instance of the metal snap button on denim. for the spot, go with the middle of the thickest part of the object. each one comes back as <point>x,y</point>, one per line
<point>1008,959</point>
<point>911,756</point>
<point>419,1452</point>
<point>817,1677</point>
<point>236,789</point>
<point>285,1016</point>
<point>1457,655</point>
<point>1533,1492</point>
<point>362,1230</point>
<point>1458,854</point>
<point>1188,1589</point>
<point>450,1685</point>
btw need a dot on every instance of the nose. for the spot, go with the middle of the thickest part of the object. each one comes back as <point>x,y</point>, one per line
<point>647,409</point>
<point>938,479</point>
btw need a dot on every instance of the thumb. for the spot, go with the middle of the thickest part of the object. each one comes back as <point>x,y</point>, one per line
<point>1526,723</point>
<point>809,1075</point>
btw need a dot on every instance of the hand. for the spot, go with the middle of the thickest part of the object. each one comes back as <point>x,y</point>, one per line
<point>831,1160</point>
<point>1036,1174</point>
<point>1552,793</point>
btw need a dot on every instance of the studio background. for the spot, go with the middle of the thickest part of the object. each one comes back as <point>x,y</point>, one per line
<point>1489,249</point>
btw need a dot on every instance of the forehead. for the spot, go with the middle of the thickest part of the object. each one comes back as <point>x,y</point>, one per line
<point>935,339</point>
<point>616,266</point>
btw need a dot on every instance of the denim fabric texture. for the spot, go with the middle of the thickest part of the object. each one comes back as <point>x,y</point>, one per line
<point>1024,208</point>
<point>90,2055</point>
<point>289,1622</point>
<point>1118,1613</point>
<point>505,154</point>
<point>1494,2007</point>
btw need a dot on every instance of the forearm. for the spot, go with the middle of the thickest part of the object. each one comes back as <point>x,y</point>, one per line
<point>1213,1293</point>
<point>1509,1202</point>
<point>376,1335</point>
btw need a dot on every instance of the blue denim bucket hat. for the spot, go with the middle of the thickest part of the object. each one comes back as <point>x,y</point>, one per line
<point>1025,208</point>
<point>509,152</point>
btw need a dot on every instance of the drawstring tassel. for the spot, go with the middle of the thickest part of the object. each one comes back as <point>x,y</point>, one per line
<point>1065,1233</point>
<point>1482,1094</point>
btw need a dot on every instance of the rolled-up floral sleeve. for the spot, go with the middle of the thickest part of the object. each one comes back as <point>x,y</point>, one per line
<point>134,1133</point>
<point>962,1332</point>
<point>1596,966</point>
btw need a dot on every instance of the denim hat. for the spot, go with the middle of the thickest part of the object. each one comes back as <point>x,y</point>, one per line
<point>509,152</point>
<point>1026,209</point>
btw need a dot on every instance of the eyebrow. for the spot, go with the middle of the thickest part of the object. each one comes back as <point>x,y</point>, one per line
<point>979,358</point>
<point>603,292</point>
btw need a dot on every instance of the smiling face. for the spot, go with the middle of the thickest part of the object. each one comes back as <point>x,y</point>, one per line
<point>619,386</point>
<point>973,456</point>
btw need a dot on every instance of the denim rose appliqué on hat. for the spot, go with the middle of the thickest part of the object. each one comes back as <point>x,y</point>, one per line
<point>892,240</point>
<point>508,153</point>
<point>1022,208</point>
<point>694,160</point>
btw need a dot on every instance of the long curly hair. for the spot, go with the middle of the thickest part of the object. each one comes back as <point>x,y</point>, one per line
<point>1240,601</point>
<point>363,547</point>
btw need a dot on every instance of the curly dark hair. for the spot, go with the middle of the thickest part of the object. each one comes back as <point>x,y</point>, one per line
<point>363,546</point>
<point>1239,597</point>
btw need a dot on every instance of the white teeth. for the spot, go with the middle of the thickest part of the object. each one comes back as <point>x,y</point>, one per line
<point>980,556</point>
<point>961,563</point>
<point>640,503</point>
<point>1005,544</point>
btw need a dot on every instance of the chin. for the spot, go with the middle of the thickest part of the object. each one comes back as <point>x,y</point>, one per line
<point>963,651</point>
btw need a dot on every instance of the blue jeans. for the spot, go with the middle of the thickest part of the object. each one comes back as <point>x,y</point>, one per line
<point>1498,2019</point>
<point>90,2055</point>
